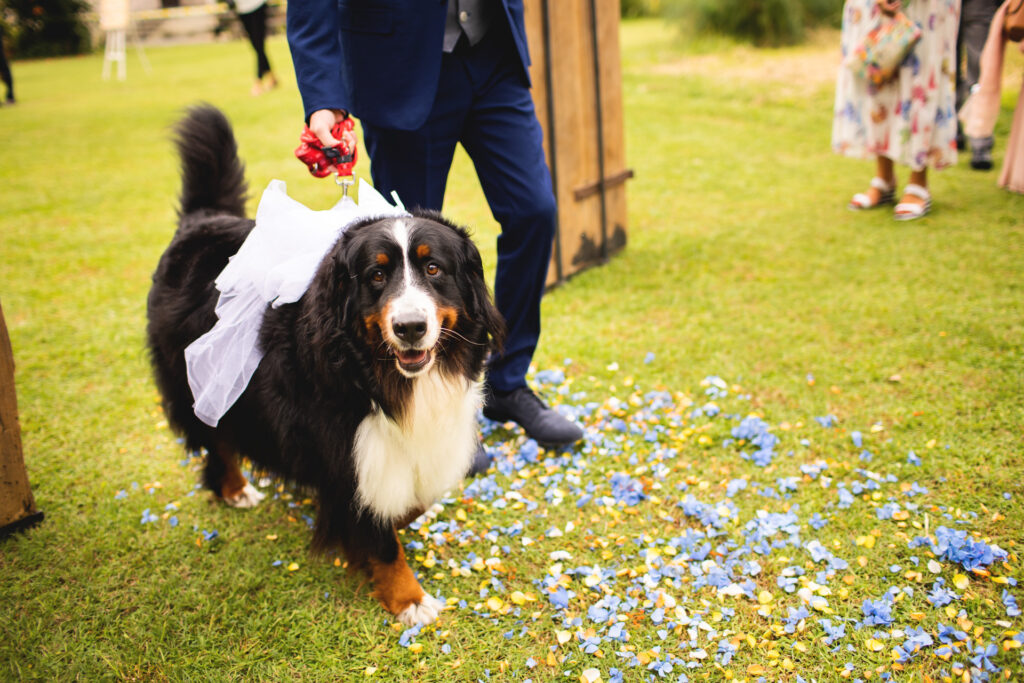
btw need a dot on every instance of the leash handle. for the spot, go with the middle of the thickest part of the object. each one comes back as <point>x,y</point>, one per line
<point>319,159</point>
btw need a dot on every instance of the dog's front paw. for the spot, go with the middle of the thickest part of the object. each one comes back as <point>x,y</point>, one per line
<point>421,613</point>
<point>248,497</point>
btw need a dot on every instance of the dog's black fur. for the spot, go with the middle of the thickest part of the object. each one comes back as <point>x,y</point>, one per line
<point>324,369</point>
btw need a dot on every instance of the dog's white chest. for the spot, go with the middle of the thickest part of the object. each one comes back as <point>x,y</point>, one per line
<point>408,465</point>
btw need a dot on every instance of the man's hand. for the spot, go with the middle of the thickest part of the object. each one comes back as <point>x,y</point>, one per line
<point>890,7</point>
<point>332,147</point>
<point>322,121</point>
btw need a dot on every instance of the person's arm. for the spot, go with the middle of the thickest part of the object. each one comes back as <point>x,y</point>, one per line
<point>312,28</point>
<point>322,121</point>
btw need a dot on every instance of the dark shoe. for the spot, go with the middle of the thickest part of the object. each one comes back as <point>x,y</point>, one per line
<point>981,161</point>
<point>540,422</point>
<point>981,153</point>
<point>481,461</point>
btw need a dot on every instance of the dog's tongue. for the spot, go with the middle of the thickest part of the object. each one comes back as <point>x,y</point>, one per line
<point>412,357</point>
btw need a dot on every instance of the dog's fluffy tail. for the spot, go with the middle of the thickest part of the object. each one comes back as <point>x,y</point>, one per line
<point>212,175</point>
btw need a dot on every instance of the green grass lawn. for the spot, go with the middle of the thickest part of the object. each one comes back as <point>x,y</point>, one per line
<point>743,264</point>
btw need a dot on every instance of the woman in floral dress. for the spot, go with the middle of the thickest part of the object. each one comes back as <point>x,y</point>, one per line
<point>910,119</point>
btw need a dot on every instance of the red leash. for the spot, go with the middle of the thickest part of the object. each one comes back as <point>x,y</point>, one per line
<point>319,159</point>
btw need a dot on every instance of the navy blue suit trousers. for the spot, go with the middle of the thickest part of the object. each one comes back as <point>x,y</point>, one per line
<point>483,102</point>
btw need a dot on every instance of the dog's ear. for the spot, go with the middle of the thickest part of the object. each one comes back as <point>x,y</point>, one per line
<point>324,312</point>
<point>481,305</point>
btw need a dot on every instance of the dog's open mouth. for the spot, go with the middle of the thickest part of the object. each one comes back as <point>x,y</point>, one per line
<point>413,360</point>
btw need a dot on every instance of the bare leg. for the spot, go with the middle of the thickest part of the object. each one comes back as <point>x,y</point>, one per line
<point>884,170</point>
<point>917,178</point>
<point>874,196</point>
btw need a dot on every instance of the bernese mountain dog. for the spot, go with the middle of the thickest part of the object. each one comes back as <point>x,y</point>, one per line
<point>368,390</point>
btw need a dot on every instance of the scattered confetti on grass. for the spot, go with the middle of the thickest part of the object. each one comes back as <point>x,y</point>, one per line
<point>690,537</point>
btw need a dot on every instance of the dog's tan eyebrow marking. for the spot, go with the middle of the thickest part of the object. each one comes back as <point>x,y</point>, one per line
<point>423,251</point>
<point>382,259</point>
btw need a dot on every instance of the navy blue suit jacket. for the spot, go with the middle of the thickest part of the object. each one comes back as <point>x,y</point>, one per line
<point>380,60</point>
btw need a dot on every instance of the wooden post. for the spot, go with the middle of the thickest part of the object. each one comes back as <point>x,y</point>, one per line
<point>577,90</point>
<point>17,507</point>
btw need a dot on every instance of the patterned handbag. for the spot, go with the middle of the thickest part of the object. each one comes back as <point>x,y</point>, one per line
<point>1013,23</point>
<point>885,47</point>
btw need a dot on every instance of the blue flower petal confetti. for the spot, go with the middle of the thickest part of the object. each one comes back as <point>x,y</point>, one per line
<point>690,534</point>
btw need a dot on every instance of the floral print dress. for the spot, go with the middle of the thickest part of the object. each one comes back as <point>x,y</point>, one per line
<point>912,118</point>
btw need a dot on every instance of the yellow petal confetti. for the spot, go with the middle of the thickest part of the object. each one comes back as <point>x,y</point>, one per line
<point>293,566</point>
<point>866,541</point>
<point>590,676</point>
<point>563,637</point>
<point>764,597</point>
<point>416,647</point>
<point>961,581</point>
<point>370,670</point>
<point>495,604</point>
<point>874,645</point>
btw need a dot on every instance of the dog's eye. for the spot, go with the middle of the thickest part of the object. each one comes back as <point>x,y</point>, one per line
<point>377,276</point>
<point>433,270</point>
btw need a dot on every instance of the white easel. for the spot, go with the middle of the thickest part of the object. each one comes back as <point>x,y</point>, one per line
<point>116,21</point>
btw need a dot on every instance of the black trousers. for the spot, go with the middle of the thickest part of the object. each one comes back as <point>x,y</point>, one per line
<point>255,24</point>
<point>975,19</point>
<point>5,71</point>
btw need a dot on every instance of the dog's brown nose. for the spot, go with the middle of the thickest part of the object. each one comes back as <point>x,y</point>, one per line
<point>409,328</point>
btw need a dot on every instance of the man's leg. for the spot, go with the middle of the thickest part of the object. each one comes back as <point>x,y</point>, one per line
<point>975,19</point>
<point>505,142</point>
<point>415,164</point>
<point>503,139</point>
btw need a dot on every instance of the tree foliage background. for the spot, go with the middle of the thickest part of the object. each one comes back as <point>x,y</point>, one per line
<point>46,28</point>
<point>760,22</point>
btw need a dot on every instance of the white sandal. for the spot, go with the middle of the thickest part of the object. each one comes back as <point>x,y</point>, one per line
<point>908,211</point>
<point>887,195</point>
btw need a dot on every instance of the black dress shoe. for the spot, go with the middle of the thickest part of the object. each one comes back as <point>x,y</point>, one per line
<point>981,153</point>
<point>481,461</point>
<point>981,159</point>
<point>540,422</point>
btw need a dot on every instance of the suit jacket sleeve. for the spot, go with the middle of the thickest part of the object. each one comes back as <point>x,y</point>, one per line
<point>313,37</point>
